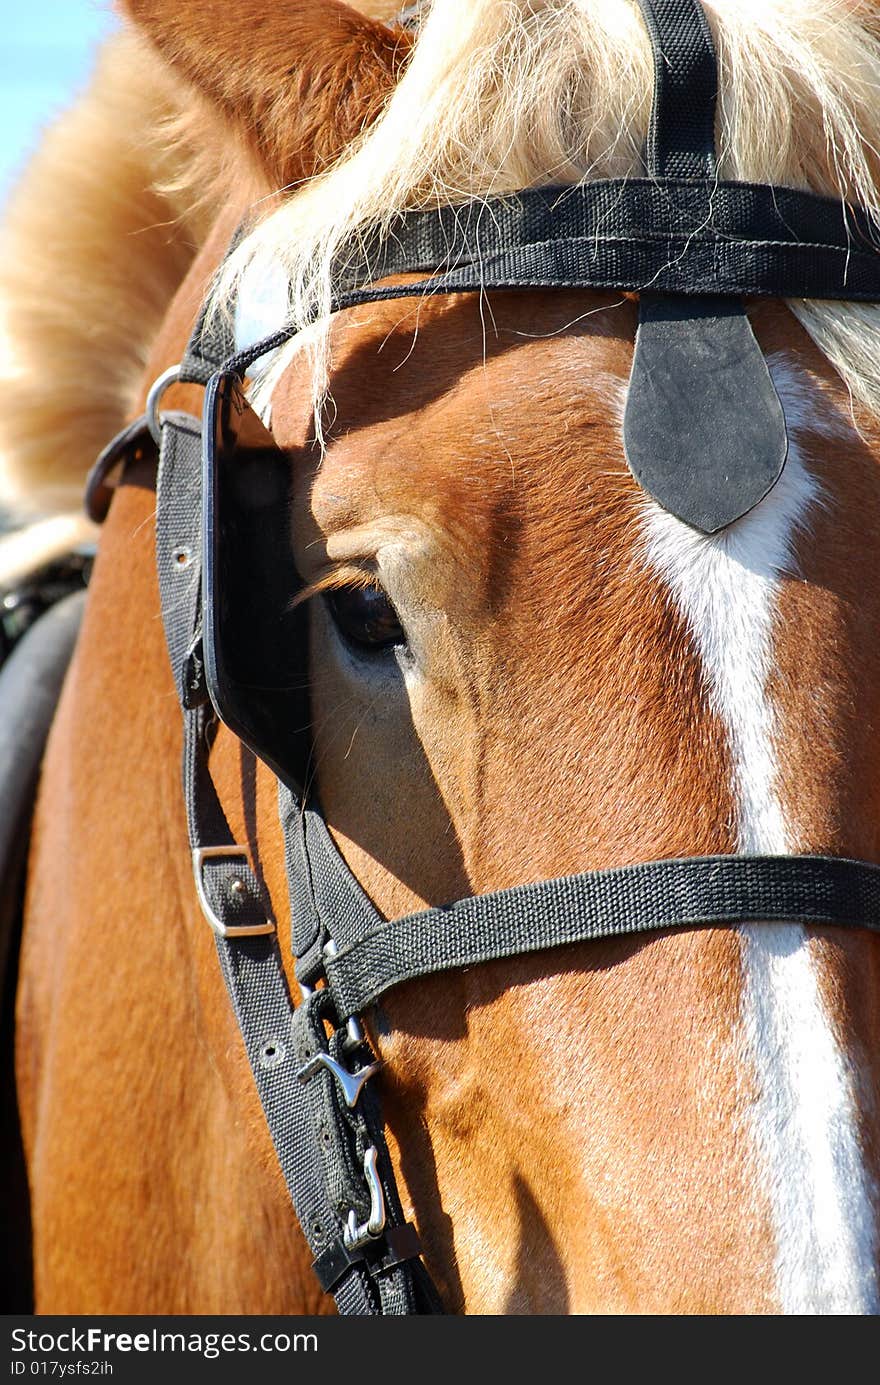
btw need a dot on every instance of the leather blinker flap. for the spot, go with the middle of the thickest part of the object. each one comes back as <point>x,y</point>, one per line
<point>254,635</point>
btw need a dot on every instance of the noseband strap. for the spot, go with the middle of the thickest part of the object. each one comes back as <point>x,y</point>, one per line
<point>698,892</point>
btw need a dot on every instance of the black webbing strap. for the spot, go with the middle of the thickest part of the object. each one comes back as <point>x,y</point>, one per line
<point>326,901</point>
<point>320,1143</point>
<point>212,340</point>
<point>644,898</point>
<point>211,343</point>
<point>680,236</point>
<point>681,136</point>
<point>676,235</point>
<point>323,1145</point>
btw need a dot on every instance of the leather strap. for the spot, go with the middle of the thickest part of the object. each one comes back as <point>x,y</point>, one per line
<point>704,432</point>
<point>129,445</point>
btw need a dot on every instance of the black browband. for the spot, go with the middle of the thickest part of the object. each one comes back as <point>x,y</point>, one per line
<point>691,246</point>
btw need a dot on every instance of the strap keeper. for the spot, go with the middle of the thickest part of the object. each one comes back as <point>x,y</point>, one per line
<point>310,964</point>
<point>403,1243</point>
<point>394,1247</point>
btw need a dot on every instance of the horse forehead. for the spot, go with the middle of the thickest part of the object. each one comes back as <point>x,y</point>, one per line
<point>442,410</point>
<point>443,338</point>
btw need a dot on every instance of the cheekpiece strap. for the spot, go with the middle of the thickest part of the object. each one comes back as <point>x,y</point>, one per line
<point>312,1069</point>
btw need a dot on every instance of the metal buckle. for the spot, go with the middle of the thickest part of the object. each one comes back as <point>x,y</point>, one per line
<point>231,930</point>
<point>154,399</point>
<point>354,1237</point>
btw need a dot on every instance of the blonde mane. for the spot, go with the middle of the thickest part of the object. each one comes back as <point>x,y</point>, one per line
<point>497,95</point>
<point>95,240</point>
<point>505,94</point>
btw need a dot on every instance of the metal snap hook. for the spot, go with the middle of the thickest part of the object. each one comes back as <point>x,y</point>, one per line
<point>354,1236</point>
<point>351,1083</point>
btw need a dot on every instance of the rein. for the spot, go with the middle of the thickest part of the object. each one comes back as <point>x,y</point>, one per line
<point>692,246</point>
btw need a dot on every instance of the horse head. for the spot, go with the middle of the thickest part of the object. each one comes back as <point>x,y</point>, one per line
<point>521,666</point>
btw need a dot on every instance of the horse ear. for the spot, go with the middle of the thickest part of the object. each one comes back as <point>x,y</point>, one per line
<point>297,79</point>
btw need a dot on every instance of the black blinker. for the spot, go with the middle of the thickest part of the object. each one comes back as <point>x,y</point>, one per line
<point>255,640</point>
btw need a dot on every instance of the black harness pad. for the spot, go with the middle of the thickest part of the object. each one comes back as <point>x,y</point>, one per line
<point>255,638</point>
<point>703,430</point>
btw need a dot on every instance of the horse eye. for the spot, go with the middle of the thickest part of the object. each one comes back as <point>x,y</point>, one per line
<point>366,617</point>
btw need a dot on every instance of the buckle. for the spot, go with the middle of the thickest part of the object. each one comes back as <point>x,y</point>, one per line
<point>224,930</point>
<point>394,1247</point>
<point>380,1246</point>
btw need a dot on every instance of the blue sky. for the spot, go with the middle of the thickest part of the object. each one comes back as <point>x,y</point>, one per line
<point>46,55</point>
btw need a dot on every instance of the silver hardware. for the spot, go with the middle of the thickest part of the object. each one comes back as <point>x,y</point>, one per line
<point>154,399</point>
<point>354,1236</point>
<point>237,886</point>
<point>351,1083</point>
<point>182,558</point>
<point>232,930</point>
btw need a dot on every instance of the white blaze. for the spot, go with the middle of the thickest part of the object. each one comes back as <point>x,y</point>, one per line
<point>804,1117</point>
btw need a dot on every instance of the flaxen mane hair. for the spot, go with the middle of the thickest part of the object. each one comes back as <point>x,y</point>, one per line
<point>497,95</point>
<point>504,94</point>
<point>95,241</point>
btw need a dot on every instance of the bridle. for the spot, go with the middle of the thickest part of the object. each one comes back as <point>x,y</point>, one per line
<point>692,246</point>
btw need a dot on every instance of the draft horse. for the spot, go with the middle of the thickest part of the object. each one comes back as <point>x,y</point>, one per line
<point>522,666</point>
